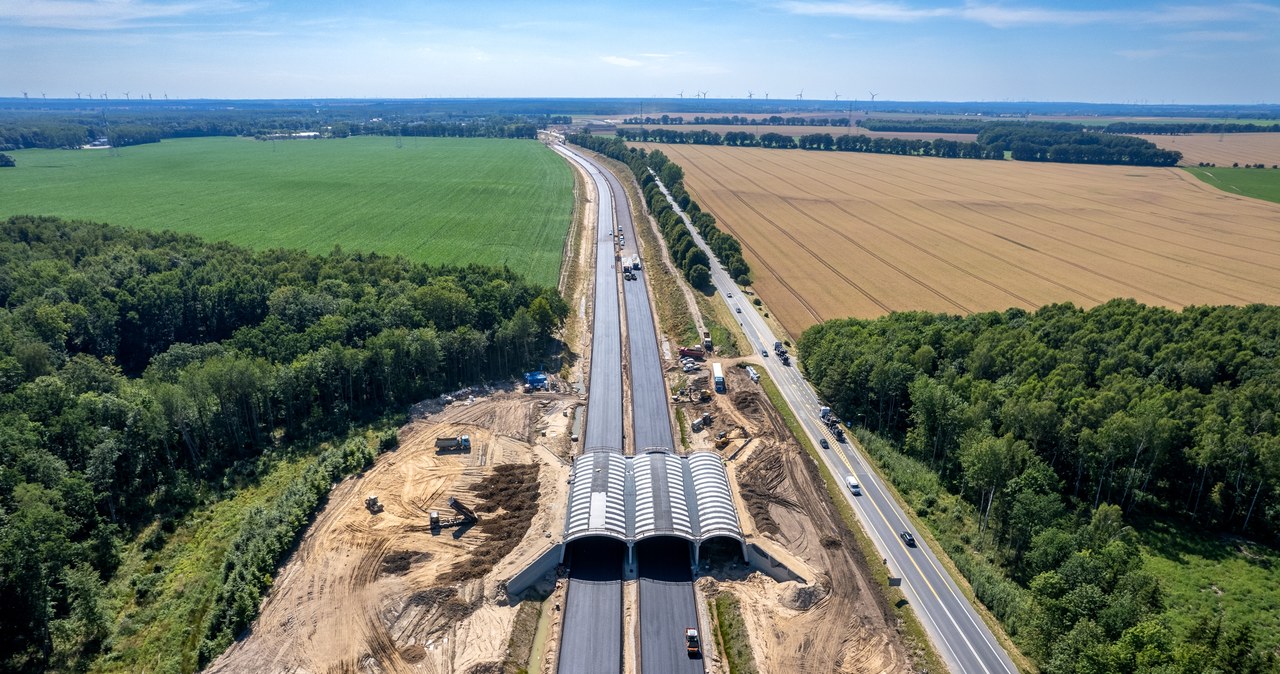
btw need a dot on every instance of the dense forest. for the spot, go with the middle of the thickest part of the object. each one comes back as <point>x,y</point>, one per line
<point>977,125</point>
<point>818,141</point>
<point>138,369</point>
<point>684,251</point>
<point>1172,128</point>
<point>937,125</point>
<point>1059,428</point>
<point>73,129</point>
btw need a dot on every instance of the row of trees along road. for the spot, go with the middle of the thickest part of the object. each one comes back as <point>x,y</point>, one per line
<point>138,368</point>
<point>684,252</point>
<point>1059,425</point>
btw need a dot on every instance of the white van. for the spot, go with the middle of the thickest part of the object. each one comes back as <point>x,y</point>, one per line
<point>852,484</point>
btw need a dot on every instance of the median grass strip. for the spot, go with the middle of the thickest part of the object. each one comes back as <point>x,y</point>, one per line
<point>731,631</point>
<point>927,657</point>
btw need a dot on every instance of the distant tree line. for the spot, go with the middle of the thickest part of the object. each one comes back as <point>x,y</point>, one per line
<point>959,125</point>
<point>1057,426</point>
<point>1172,128</point>
<point>684,251</point>
<point>1070,143</point>
<point>741,120</point>
<point>818,141</point>
<point>137,369</point>
<point>121,128</point>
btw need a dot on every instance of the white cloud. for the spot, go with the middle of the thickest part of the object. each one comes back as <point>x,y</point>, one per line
<point>1006,15</point>
<point>102,14</point>
<point>622,61</point>
<point>1218,36</point>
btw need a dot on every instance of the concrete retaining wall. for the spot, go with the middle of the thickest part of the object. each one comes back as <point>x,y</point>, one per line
<point>544,564</point>
<point>764,563</point>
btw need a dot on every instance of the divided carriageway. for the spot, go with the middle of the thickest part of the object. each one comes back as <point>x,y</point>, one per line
<point>591,641</point>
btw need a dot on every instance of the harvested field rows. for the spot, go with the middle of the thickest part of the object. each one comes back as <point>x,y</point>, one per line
<point>1223,149</point>
<point>832,235</point>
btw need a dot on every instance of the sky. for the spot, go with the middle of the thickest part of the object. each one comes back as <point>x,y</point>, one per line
<point>1117,51</point>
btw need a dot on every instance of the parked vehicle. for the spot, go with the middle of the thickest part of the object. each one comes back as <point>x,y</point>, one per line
<point>717,375</point>
<point>451,442</point>
<point>693,352</point>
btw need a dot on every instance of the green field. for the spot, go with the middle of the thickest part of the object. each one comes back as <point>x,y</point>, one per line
<point>437,200</point>
<point>1202,573</point>
<point>1257,183</point>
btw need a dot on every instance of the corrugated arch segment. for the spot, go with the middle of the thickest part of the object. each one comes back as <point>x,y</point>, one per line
<point>716,513</point>
<point>662,504</point>
<point>597,497</point>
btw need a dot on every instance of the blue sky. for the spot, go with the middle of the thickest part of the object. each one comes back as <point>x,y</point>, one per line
<point>1198,51</point>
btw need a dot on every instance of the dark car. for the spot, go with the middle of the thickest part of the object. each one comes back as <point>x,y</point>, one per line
<point>908,538</point>
<point>824,443</point>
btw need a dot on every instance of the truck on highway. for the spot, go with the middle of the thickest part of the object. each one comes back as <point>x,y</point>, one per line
<point>635,261</point>
<point>717,375</point>
<point>462,442</point>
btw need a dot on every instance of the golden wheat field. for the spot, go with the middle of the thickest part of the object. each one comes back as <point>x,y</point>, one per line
<point>1223,149</point>
<point>842,234</point>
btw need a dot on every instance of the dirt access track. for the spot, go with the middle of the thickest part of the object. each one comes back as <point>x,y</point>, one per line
<point>369,592</point>
<point>832,235</point>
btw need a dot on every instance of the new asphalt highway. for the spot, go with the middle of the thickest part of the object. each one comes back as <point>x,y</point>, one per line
<point>666,597</point>
<point>953,625</point>
<point>591,641</point>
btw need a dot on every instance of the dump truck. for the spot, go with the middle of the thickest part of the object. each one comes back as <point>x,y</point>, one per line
<point>706,339</point>
<point>465,515</point>
<point>635,261</point>
<point>692,645</point>
<point>693,352</point>
<point>462,442</point>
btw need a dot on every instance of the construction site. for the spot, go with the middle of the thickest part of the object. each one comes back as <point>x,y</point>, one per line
<point>449,554</point>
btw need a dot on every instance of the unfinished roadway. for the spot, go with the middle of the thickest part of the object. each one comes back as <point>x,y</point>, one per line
<point>644,516</point>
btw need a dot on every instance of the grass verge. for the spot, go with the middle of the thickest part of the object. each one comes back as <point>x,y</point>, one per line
<point>1256,183</point>
<point>926,656</point>
<point>731,633</point>
<point>523,635</point>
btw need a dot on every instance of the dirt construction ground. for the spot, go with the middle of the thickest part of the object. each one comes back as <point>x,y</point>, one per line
<point>375,592</point>
<point>832,235</point>
<point>833,622</point>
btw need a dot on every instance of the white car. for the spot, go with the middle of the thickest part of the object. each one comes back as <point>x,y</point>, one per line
<point>852,484</point>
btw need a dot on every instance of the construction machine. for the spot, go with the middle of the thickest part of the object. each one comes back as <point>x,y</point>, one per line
<point>371,503</point>
<point>464,515</point>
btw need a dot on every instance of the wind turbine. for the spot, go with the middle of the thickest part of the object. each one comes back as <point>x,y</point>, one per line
<point>43,96</point>
<point>749,95</point>
<point>126,95</point>
<point>800,96</point>
<point>766,95</point>
<point>77,95</point>
<point>149,98</point>
<point>24,94</point>
<point>104,95</point>
<point>837,95</point>
<point>166,95</point>
<point>873,96</point>
<point>703,94</point>
<point>681,94</point>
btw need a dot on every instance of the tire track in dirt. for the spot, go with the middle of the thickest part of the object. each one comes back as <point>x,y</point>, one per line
<point>821,260</point>
<point>911,244</point>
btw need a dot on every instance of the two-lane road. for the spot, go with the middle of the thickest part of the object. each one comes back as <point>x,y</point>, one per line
<point>961,637</point>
